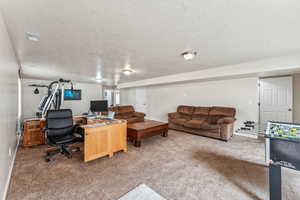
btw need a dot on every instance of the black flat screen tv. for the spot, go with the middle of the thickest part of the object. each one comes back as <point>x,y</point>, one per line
<point>99,106</point>
<point>70,95</point>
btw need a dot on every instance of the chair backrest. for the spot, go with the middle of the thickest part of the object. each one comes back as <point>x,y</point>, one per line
<point>59,122</point>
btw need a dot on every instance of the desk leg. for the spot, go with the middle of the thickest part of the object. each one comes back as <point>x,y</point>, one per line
<point>137,143</point>
<point>275,182</point>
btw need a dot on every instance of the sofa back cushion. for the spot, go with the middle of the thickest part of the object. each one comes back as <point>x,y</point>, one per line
<point>217,113</point>
<point>113,109</point>
<point>201,112</point>
<point>125,109</point>
<point>185,111</point>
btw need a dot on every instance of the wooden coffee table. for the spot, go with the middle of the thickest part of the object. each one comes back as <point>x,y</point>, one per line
<point>140,130</point>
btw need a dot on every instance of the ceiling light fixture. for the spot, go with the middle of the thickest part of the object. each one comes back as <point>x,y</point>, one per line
<point>127,70</point>
<point>98,80</point>
<point>33,36</point>
<point>189,55</point>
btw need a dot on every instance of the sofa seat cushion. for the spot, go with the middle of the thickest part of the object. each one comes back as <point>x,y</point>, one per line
<point>226,120</point>
<point>194,123</point>
<point>213,119</point>
<point>127,115</point>
<point>179,121</point>
<point>134,119</point>
<point>209,126</point>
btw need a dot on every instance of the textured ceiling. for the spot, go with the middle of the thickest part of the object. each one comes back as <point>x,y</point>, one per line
<point>97,38</point>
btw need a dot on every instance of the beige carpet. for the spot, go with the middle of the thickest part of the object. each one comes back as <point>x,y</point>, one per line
<point>181,167</point>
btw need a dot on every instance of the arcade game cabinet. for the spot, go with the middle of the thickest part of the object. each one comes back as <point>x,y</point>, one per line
<point>282,150</point>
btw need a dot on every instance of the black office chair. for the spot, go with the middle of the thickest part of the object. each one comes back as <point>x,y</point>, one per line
<point>60,131</point>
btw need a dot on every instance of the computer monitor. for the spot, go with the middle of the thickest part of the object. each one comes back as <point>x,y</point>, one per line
<point>99,106</point>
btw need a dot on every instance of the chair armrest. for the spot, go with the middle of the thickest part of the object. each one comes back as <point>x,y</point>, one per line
<point>226,120</point>
<point>139,114</point>
<point>173,115</point>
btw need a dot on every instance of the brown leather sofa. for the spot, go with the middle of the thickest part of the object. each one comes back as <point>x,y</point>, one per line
<point>128,113</point>
<point>216,122</point>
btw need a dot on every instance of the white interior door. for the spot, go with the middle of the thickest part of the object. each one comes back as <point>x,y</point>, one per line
<point>140,101</point>
<point>276,100</point>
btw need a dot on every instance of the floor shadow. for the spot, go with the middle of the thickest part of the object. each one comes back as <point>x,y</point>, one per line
<point>247,176</point>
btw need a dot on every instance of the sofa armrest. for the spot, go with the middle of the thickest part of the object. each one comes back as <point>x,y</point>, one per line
<point>139,114</point>
<point>173,115</point>
<point>226,131</point>
<point>226,120</point>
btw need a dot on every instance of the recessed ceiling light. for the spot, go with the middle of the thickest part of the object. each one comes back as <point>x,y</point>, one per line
<point>189,55</point>
<point>127,70</point>
<point>33,36</point>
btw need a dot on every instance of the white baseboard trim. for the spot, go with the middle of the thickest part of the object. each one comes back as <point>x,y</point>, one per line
<point>246,135</point>
<point>11,169</point>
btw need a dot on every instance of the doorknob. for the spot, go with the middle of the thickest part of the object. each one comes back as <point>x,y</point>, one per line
<point>289,109</point>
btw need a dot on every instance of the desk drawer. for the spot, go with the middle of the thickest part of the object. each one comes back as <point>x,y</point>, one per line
<point>32,134</point>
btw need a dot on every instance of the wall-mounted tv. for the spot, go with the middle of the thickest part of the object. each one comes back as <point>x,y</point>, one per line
<point>70,95</point>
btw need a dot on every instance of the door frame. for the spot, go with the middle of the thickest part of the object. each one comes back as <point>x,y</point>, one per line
<point>259,95</point>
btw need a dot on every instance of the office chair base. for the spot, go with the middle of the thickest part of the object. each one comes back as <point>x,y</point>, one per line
<point>65,150</point>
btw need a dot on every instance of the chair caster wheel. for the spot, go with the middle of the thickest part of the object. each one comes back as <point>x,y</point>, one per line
<point>47,159</point>
<point>77,149</point>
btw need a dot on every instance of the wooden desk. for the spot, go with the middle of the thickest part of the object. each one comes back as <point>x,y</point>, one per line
<point>33,130</point>
<point>102,139</point>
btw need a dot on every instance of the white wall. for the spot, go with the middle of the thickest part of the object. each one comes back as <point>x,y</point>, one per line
<point>8,107</point>
<point>30,100</point>
<point>239,93</point>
